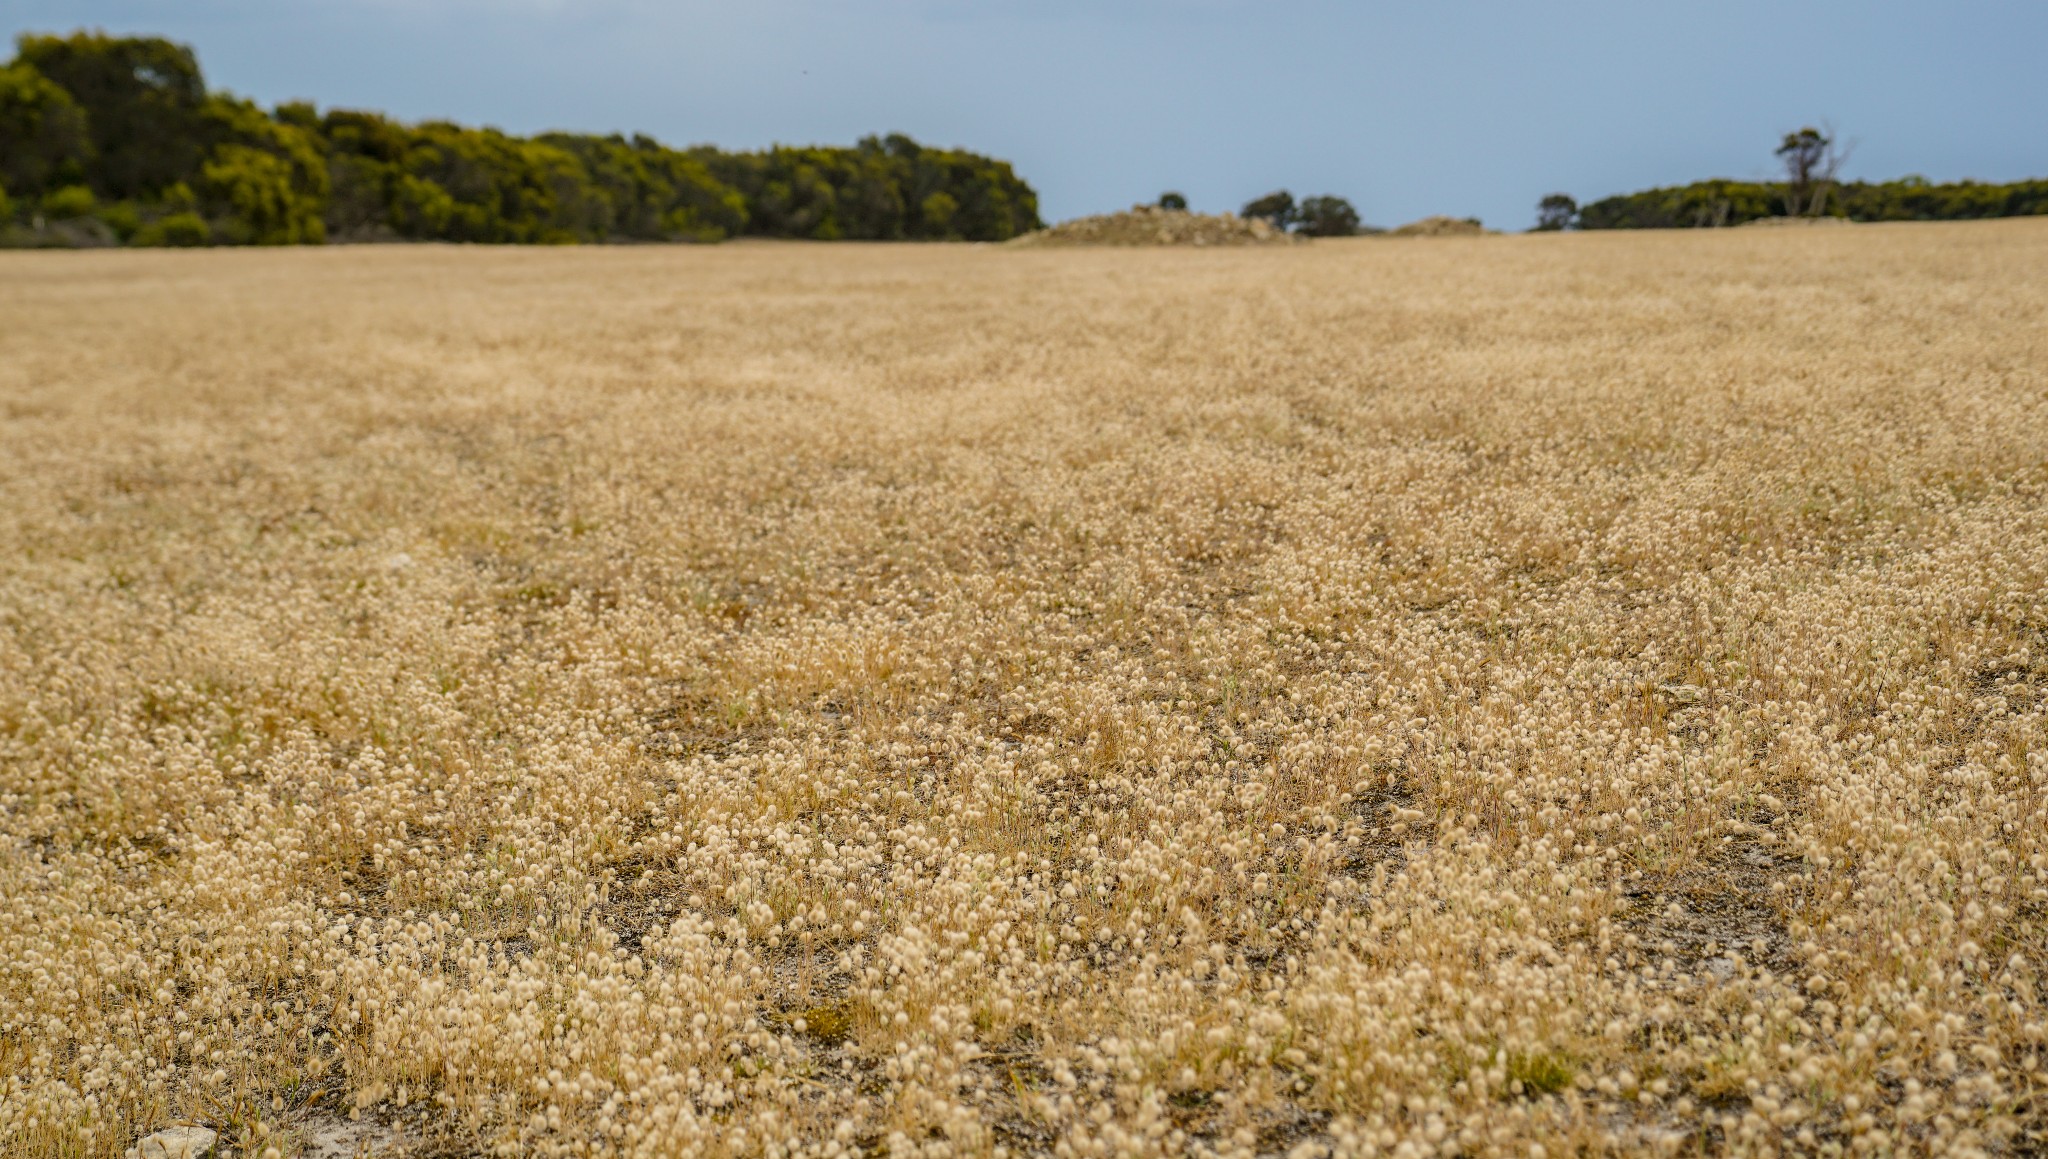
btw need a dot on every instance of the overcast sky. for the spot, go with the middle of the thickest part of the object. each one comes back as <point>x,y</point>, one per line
<point>1466,107</point>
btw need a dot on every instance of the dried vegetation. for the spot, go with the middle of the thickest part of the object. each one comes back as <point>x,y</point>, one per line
<point>1149,225</point>
<point>1576,694</point>
<point>1440,226</point>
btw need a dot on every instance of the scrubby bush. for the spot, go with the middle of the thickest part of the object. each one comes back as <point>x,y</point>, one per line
<point>68,202</point>
<point>122,217</point>
<point>1173,201</point>
<point>253,190</point>
<point>266,178</point>
<point>648,192</point>
<point>177,229</point>
<point>876,190</point>
<point>1918,199</point>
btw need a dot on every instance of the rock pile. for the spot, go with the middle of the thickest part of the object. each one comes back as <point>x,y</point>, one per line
<point>177,1143</point>
<point>1441,227</point>
<point>1151,225</point>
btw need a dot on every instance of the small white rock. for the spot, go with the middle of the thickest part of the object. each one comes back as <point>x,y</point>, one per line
<point>177,1143</point>
<point>398,562</point>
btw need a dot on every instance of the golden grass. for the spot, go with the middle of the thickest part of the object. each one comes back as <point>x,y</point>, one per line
<point>1494,697</point>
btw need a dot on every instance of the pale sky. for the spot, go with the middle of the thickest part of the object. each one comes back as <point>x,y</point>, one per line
<point>1466,107</point>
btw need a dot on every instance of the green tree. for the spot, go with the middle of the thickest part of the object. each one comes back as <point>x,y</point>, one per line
<point>1325,216</point>
<point>700,207</point>
<point>643,190</point>
<point>995,204</point>
<point>1556,212</point>
<point>129,122</point>
<point>143,99</point>
<point>1703,203</point>
<point>877,190</point>
<point>1173,201</point>
<point>253,189</point>
<point>420,208</point>
<point>264,179</point>
<point>1811,158</point>
<point>44,139</point>
<point>938,211</point>
<point>790,195</point>
<point>1276,207</point>
<point>364,155</point>
<point>446,182</point>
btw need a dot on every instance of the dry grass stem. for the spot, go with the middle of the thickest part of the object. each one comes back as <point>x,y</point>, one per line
<point>1494,697</point>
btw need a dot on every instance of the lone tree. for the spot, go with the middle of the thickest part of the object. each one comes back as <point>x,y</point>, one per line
<point>1172,200</point>
<point>1556,212</point>
<point>1276,207</point>
<point>1811,160</point>
<point>1325,216</point>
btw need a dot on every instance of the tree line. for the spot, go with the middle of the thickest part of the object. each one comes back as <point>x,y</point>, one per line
<point>1810,159</point>
<point>118,140</point>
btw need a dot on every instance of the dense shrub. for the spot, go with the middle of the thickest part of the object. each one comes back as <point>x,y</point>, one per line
<point>644,191</point>
<point>445,182</point>
<point>130,121</point>
<point>68,202</point>
<point>1917,199</point>
<point>265,179</point>
<point>1724,202</point>
<point>177,229</point>
<point>122,217</point>
<point>881,189</point>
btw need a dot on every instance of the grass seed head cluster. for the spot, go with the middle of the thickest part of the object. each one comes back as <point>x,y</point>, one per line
<point>1489,697</point>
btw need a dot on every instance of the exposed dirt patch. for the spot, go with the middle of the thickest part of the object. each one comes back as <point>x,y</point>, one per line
<point>1011,1077</point>
<point>1288,1125</point>
<point>324,1135</point>
<point>1387,812</point>
<point>1716,915</point>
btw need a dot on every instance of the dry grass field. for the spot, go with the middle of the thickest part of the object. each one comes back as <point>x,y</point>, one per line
<point>1513,696</point>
